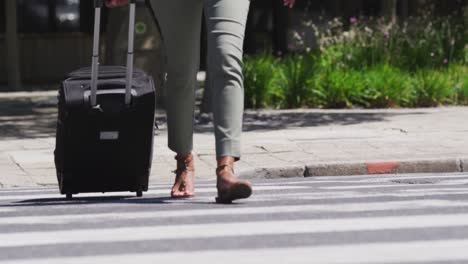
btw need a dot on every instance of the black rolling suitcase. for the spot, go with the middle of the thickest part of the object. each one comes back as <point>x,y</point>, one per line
<point>104,139</point>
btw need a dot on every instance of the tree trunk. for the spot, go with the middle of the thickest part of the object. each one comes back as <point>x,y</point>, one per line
<point>389,8</point>
<point>280,27</point>
<point>404,9</point>
<point>352,8</point>
<point>12,43</point>
<point>335,7</point>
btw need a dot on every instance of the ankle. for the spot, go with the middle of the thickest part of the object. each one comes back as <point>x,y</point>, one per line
<point>183,156</point>
<point>185,162</point>
<point>225,161</point>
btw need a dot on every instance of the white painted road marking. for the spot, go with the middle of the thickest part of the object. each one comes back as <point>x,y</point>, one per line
<point>151,192</point>
<point>231,229</point>
<point>373,186</point>
<point>344,207</point>
<point>375,253</point>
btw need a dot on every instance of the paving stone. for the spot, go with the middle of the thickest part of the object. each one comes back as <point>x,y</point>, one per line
<point>33,158</point>
<point>290,158</point>
<point>9,145</point>
<point>15,177</point>
<point>275,143</point>
<point>34,144</point>
<point>45,181</point>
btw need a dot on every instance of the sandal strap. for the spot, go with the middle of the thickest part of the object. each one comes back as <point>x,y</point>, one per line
<point>184,164</point>
<point>223,167</point>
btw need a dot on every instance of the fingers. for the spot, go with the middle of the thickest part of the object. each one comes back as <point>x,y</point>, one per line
<point>289,3</point>
<point>110,3</point>
<point>115,3</point>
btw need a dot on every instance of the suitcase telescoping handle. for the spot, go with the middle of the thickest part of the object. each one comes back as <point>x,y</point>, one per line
<point>95,59</point>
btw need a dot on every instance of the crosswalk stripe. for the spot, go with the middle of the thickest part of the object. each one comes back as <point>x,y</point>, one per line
<point>348,195</point>
<point>167,187</point>
<point>367,186</point>
<point>413,177</point>
<point>396,252</point>
<point>312,180</point>
<point>393,176</point>
<point>349,207</point>
<point>319,180</point>
<point>448,190</point>
<point>299,196</point>
<point>307,180</point>
<point>12,195</point>
<point>153,192</point>
<point>231,229</point>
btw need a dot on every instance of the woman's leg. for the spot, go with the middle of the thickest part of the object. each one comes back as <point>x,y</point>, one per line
<point>226,20</point>
<point>180,22</point>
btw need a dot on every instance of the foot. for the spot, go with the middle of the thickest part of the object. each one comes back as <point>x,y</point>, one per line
<point>185,173</point>
<point>229,187</point>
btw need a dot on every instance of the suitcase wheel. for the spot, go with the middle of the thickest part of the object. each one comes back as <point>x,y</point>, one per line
<point>139,194</point>
<point>69,196</point>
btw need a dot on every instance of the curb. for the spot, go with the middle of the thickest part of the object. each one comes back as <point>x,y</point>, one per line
<point>360,168</point>
<point>273,173</point>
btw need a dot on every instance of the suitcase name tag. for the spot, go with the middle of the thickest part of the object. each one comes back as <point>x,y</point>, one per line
<point>109,135</point>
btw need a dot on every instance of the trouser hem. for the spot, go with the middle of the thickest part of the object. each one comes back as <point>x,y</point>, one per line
<point>228,148</point>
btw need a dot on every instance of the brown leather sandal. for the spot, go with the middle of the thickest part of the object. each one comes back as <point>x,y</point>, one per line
<point>235,189</point>
<point>185,169</point>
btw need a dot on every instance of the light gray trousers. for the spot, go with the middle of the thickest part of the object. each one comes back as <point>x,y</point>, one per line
<point>180,22</point>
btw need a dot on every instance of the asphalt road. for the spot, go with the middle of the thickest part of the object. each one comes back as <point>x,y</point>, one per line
<point>353,219</point>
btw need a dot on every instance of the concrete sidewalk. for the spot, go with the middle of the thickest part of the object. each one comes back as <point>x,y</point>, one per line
<point>290,143</point>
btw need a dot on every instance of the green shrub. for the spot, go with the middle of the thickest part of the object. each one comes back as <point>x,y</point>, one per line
<point>370,62</point>
<point>434,88</point>
<point>425,41</point>
<point>459,75</point>
<point>388,86</point>
<point>295,77</point>
<point>260,74</point>
<point>338,88</point>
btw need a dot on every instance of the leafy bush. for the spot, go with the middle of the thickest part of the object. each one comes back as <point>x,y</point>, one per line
<point>388,86</point>
<point>459,74</point>
<point>295,80</point>
<point>259,75</point>
<point>308,81</point>
<point>434,88</point>
<point>368,62</point>
<point>419,42</point>
<point>338,88</point>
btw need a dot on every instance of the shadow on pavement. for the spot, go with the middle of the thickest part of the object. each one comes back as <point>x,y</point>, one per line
<point>275,120</point>
<point>26,118</point>
<point>127,199</point>
<point>22,119</point>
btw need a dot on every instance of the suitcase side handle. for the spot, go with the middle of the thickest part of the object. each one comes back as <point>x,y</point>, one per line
<point>98,3</point>
<point>87,94</point>
<point>95,57</point>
